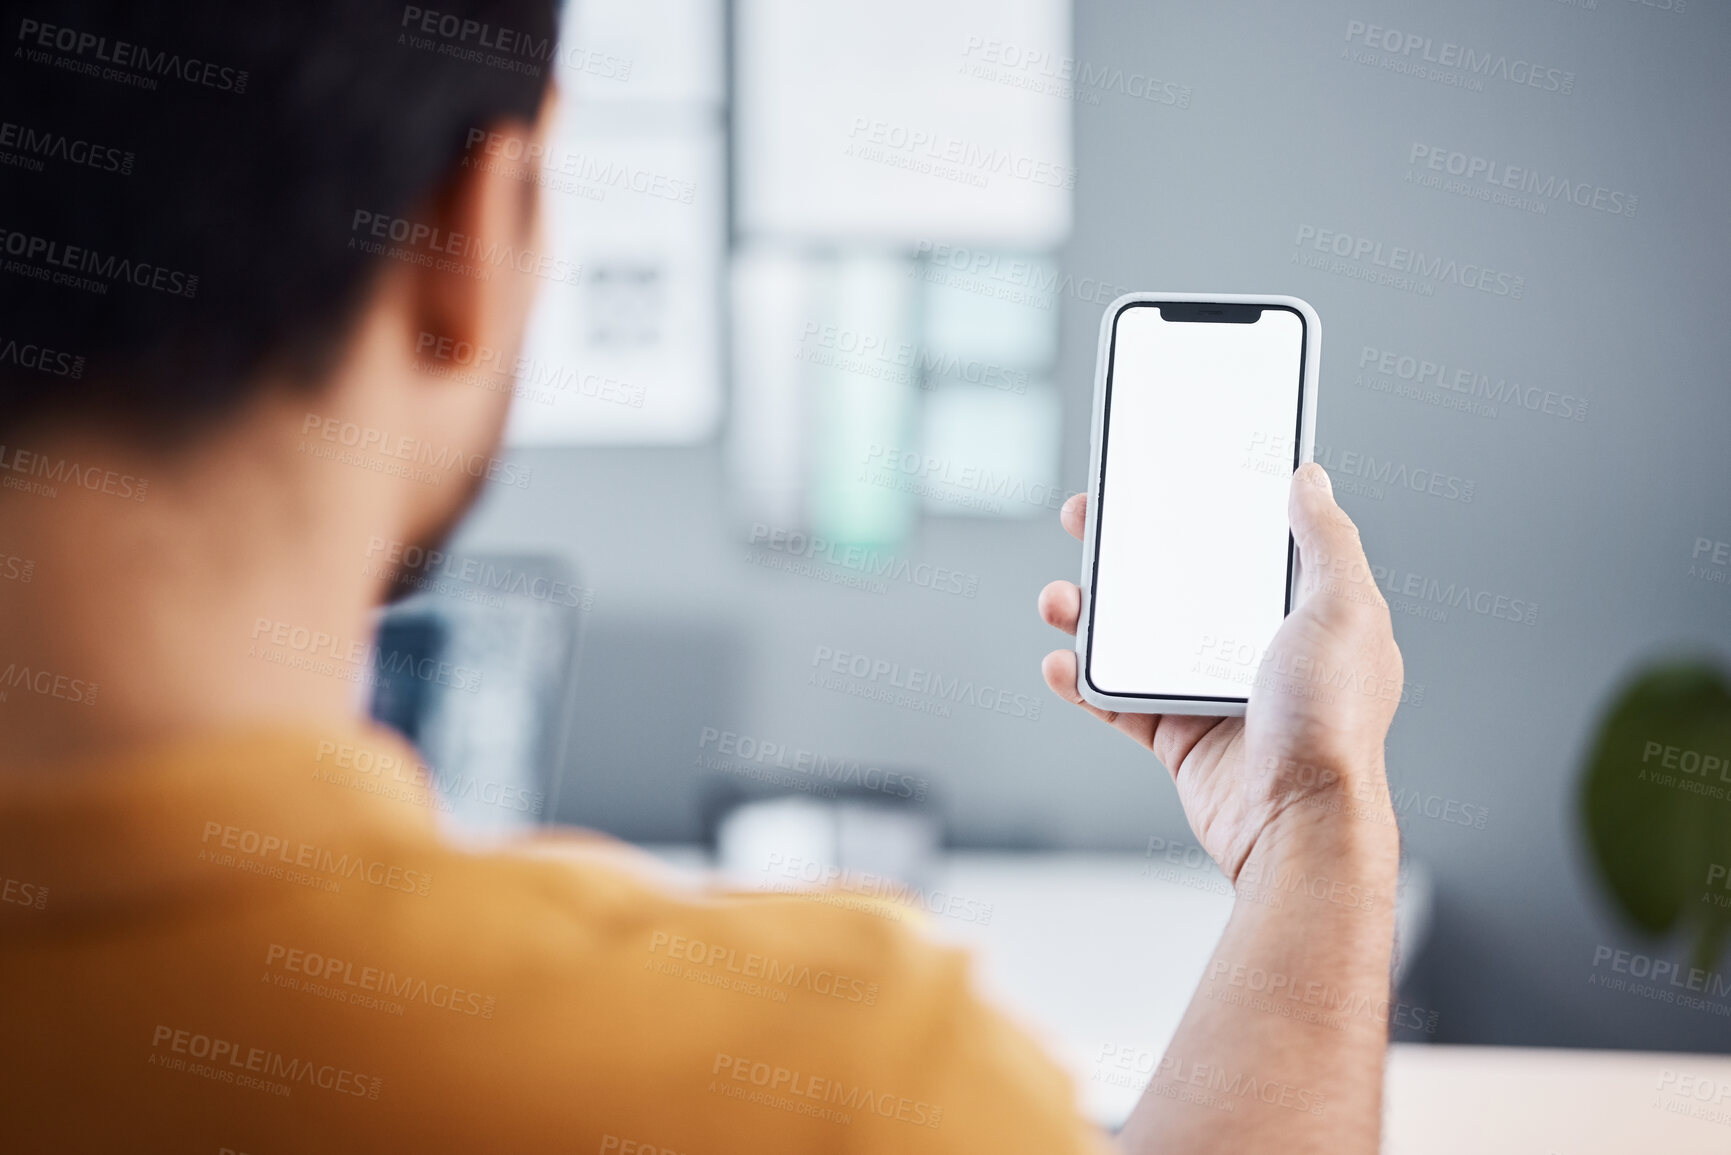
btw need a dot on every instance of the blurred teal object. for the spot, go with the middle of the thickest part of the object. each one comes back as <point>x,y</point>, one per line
<point>863,374</point>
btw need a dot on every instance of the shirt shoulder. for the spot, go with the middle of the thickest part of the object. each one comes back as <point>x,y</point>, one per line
<point>814,1021</point>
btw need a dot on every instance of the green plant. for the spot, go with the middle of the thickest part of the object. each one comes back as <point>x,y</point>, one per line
<point>1656,803</point>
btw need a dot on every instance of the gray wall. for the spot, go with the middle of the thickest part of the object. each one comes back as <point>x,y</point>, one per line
<point>1593,521</point>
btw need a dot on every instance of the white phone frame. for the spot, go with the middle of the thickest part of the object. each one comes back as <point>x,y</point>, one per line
<point>1311,352</point>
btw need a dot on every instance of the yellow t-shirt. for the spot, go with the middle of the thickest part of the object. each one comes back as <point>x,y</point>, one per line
<point>258,942</point>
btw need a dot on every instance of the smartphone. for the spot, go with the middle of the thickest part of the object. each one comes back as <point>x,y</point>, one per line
<point>1204,405</point>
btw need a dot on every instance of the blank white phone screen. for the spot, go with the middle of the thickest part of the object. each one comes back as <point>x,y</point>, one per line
<point>1191,565</point>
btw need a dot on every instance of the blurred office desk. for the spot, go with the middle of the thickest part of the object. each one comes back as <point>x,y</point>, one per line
<point>1096,955</point>
<point>1443,1100</point>
<point>1096,952</point>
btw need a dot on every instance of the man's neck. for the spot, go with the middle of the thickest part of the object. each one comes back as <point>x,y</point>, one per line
<point>143,595</point>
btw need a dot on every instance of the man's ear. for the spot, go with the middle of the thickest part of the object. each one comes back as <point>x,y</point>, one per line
<point>460,308</point>
<point>476,281</point>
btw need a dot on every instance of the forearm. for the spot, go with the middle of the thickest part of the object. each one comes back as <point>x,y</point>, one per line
<point>1282,1047</point>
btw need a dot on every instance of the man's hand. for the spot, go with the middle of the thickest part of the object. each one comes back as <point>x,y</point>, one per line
<point>1311,744</point>
<point>1292,800</point>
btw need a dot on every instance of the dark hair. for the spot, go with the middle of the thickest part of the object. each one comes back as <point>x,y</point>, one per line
<point>178,182</point>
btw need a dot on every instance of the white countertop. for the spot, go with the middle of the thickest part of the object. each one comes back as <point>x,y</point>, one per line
<point>1444,1100</point>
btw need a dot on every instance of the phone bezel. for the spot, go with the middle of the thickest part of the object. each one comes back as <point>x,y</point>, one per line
<point>1310,357</point>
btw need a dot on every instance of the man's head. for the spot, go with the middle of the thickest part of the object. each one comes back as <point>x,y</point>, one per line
<point>220,214</point>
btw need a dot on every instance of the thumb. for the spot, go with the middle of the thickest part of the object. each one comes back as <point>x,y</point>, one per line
<point>1328,542</point>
